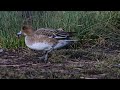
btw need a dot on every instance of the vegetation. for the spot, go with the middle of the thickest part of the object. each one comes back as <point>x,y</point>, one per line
<point>95,56</point>
<point>89,25</point>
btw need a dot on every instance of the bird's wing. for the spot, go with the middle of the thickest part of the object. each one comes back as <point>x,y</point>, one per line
<point>52,33</point>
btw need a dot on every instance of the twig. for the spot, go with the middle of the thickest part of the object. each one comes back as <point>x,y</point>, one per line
<point>87,78</point>
<point>16,65</point>
<point>21,65</point>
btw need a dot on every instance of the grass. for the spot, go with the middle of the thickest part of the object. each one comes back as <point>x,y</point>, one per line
<point>95,56</point>
<point>89,25</point>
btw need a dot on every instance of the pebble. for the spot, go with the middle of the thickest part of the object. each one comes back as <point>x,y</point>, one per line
<point>1,50</point>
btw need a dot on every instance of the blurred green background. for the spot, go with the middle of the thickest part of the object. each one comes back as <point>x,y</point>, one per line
<point>96,27</point>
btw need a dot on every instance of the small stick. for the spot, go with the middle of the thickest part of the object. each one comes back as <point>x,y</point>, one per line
<point>16,65</point>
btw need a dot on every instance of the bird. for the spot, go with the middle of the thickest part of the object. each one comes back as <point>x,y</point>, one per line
<point>45,39</point>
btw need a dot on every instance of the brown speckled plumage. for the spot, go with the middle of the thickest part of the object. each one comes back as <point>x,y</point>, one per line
<point>40,38</point>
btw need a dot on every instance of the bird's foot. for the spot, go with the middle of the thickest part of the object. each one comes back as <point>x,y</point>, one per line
<point>44,58</point>
<point>41,58</point>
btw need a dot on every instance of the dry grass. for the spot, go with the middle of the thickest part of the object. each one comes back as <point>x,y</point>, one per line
<point>89,63</point>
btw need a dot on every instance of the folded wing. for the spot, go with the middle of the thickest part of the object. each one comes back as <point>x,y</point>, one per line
<point>52,33</point>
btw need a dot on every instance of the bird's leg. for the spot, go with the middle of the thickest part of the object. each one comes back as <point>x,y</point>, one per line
<point>46,55</point>
<point>44,52</point>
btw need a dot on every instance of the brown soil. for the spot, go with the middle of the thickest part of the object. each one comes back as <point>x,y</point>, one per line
<point>89,63</point>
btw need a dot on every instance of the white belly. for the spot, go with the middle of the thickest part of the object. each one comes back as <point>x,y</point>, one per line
<point>40,46</point>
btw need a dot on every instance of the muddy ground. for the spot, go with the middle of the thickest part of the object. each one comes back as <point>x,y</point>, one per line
<point>82,63</point>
